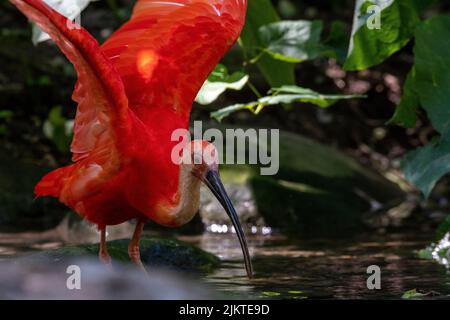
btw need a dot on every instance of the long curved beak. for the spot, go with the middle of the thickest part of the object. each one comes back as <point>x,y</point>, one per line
<point>212,180</point>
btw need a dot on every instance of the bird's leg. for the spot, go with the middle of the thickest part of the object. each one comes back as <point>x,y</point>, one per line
<point>133,247</point>
<point>103,252</point>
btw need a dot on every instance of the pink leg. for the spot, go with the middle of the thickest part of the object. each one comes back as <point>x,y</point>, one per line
<point>133,247</point>
<point>103,252</point>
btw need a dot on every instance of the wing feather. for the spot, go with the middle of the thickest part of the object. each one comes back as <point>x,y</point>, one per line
<point>102,114</point>
<point>168,48</point>
<point>102,122</point>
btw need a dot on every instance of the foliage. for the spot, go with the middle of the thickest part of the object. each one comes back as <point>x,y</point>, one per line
<point>373,41</point>
<point>428,85</point>
<point>440,249</point>
<point>284,95</point>
<point>443,229</point>
<point>292,41</point>
<point>260,13</point>
<point>413,294</point>
<point>272,44</point>
<point>218,82</point>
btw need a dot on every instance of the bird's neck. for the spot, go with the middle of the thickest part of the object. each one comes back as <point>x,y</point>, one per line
<point>185,204</point>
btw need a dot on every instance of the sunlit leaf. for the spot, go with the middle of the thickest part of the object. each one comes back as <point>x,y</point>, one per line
<point>413,294</point>
<point>271,294</point>
<point>381,28</point>
<point>71,9</point>
<point>218,82</point>
<point>284,95</point>
<point>220,114</point>
<point>295,292</point>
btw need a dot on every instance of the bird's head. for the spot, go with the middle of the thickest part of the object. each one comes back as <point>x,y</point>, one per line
<point>201,158</point>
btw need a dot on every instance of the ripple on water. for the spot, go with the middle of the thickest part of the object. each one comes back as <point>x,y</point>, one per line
<point>325,269</point>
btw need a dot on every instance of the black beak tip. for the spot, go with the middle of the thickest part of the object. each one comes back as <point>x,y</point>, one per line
<point>212,180</point>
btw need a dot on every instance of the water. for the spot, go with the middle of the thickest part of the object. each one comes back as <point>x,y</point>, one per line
<point>325,269</point>
<point>288,269</point>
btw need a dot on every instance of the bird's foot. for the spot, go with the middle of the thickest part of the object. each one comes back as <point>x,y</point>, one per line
<point>135,256</point>
<point>105,259</point>
<point>133,247</point>
<point>103,254</point>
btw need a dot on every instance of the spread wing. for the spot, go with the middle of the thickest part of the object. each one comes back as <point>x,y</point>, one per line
<point>165,52</point>
<point>102,113</point>
<point>102,122</point>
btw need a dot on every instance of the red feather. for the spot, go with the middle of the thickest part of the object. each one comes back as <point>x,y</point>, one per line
<point>132,93</point>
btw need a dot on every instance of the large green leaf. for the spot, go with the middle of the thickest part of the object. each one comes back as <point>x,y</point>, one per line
<point>425,166</point>
<point>371,44</point>
<point>284,95</point>
<point>218,82</point>
<point>292,41</point>
<point>260,13</point>
<point>432,66</point>
<point>430,84</point>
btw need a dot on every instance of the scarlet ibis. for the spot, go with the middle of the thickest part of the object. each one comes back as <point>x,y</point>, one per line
<point>132,93</point>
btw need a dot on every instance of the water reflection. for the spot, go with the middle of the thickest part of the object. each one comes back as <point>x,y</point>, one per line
<point>319,269</point>
<point>324,269</point>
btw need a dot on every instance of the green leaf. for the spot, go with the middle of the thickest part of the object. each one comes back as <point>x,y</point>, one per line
<point>295,292</point>
<point>290,94</point>
<point>381,28</point>
<point>443,229</point>
<point>432,67</point>
<point>413,294</point>
<point>406,112</point>
<point>284,95</point>
<point>218,82</point>
<point>220,114</point>
<point>426,253</point>
<point>439,250</point>
<point>430,84</point>
<point>259,13</point>
<point>336,45</point>
<point>292,41</point>
<point>271,294</point>
<point>426,165</point>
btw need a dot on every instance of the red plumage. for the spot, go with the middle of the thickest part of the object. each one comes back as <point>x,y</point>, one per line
<point>132,93</point>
